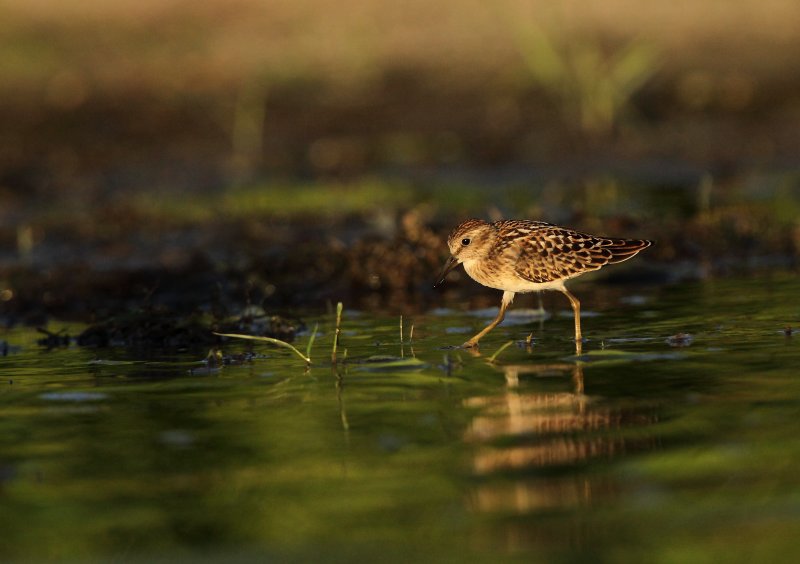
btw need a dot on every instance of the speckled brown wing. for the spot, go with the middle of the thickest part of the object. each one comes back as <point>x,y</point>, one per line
<point>549,252</point>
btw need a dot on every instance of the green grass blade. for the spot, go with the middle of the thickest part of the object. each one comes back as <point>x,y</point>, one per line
<point>311,341</point>
<point>266,340</point>
<point>501,349</point>
<point>339,308</point>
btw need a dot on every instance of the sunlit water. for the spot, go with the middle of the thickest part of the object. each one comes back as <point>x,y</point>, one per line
<point>672,438</point>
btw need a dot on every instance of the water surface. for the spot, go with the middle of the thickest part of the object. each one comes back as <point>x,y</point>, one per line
<point>672,438</point>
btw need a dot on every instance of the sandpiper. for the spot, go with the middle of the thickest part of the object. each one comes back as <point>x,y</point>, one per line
<point>527,256</point>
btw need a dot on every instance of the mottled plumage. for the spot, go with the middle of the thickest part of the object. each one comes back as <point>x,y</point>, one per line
<point>526,256</point>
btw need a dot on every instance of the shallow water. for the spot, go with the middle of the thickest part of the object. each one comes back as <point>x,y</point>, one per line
<point>672,438</point>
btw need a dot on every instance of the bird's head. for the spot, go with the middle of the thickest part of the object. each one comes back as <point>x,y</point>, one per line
<point>471,240</point>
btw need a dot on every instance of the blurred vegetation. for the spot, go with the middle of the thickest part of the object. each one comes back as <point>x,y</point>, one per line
<point>592,88</point>
<point>310,151</point>
<point>130,93</point>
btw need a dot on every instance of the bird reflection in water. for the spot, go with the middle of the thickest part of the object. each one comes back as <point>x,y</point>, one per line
<point>532,441</point>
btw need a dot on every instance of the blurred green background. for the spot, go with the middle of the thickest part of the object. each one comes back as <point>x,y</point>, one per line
<point>98,95</point>
<point>131,127</point>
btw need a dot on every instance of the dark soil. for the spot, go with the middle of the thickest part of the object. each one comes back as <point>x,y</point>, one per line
<point>173,289</point>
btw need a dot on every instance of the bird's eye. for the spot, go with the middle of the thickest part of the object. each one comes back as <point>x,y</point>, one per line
<point>465,241</point>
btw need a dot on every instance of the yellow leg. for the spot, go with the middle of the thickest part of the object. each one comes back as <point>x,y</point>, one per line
<point>576,310</point>
<point>504,303</point>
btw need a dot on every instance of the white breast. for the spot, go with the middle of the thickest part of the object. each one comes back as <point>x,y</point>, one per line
<point>506,281</point>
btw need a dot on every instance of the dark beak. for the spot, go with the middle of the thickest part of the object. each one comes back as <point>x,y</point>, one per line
<point>451,263</point>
